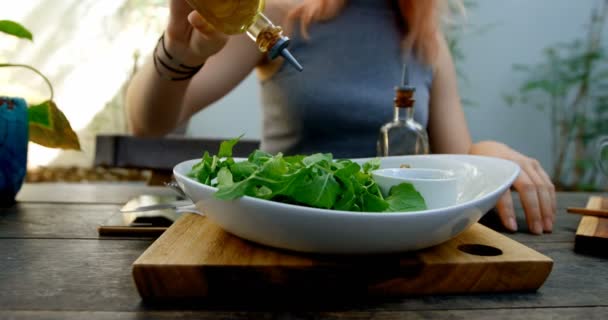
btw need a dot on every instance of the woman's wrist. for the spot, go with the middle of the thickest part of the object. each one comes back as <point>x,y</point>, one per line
<point>172,64</point>
<point>182,51</point>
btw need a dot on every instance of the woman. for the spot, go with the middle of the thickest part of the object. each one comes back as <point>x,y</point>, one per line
<point>352,52</point>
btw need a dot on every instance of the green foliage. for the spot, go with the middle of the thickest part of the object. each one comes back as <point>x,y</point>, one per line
<point>15,29</point>
<point>317,181</point>
<point>570,84</point>
<point>48,126</point>
<point>40,115</point>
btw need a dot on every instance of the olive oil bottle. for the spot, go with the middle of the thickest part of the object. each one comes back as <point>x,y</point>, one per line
<point>240,16</point>
<point>403,135</point>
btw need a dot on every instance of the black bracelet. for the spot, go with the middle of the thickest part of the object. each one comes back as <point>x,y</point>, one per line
<point>170,56</point>
<point>166,77</point>
<point>158,62</point>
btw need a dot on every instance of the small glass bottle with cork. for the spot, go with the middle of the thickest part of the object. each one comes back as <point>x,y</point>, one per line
<point>238,16</point>
<point>403,135</point>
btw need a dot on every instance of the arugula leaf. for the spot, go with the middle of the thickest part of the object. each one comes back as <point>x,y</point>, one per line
<point>319,190</point>
<point>316,180</point>
<point>404,197</point>
<point>226,147</point>
<point>373,203</point>
<point>259,157</point>
<point>242,170</point>
<point>371,165</point>
<point>224,178</point>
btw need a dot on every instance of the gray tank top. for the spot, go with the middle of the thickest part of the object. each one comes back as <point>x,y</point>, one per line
<point>352,64</point>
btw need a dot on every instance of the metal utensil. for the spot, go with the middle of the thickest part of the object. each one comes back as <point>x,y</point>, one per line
<point>173,185</point>
<point>177,205</point>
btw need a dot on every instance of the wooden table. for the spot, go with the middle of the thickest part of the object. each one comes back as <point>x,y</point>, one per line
<point>53,265</point>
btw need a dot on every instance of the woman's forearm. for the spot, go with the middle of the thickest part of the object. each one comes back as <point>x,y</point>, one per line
<point>156,97</point>
<point>154,104</point>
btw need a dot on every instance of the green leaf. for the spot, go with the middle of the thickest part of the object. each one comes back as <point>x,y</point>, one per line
<point>404,197</point>
<point>49,127</point>
<point>345,201</point>
<point>259,157</point>
<point>40,115</point>
<point>201,170</point>
<point>543,85</point>
<point>224,178</point>
<point>235,190</point>
<point>509,99</point>
<point>584,164</point>
<point>316,181</point>
<point>373,203</point>
<point>226,147</point>
<point>319,191</point>
<point>15,29</point>
<point>242,170</point>
<point>317,159</point>
<point>521,68</point>
<point>371,165</point>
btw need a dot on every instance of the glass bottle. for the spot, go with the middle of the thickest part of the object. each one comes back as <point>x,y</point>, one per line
<point>403,135</point>
<point>239,16</point>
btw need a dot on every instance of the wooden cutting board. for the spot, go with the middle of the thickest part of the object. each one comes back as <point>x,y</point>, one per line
<point>195,258</point>
<point>592,232</point>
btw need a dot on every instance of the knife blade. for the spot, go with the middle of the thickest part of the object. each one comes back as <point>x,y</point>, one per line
<point>160,206</point>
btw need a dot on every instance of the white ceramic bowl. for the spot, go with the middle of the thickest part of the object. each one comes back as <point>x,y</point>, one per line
<point>482,180</point>
<point>439,188</point>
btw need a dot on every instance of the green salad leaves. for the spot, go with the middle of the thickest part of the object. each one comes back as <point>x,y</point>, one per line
<point>316,181</point>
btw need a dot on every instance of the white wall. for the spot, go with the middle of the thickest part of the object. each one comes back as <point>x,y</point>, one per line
<point>237,113</point>
<point>514,31</point>
<point>517,32</point>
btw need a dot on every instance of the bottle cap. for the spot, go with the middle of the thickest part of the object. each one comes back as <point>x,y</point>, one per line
<point>404,93</point>
<point>280,48</point>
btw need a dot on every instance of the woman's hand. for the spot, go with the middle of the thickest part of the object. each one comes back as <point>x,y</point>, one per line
<point>536,191</point>
<point>189,38</point>
<point>308,13</point>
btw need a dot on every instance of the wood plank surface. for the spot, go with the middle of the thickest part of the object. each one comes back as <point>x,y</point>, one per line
<point>592,313</point>
<point>53,267</point>
<point>45,220</point>
<point>95,193</point>
<point>564,227</point>
<point>95,275</point>
<point>592,232</point>
<point>564,199</point>
<point>68,274</point>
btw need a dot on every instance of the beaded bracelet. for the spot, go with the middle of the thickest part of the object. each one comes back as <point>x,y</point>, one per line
<point>185,72</point>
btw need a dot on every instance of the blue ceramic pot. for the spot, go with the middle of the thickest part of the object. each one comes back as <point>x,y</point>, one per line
<point>13,147</point>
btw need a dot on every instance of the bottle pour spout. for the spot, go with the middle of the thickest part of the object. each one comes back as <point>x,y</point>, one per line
<point>289,58</point>
<point>280,48</point>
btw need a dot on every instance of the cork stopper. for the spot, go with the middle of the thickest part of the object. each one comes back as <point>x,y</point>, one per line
<point>404,93</point>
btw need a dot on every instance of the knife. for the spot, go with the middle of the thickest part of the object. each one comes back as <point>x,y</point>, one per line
<point>184,204</point>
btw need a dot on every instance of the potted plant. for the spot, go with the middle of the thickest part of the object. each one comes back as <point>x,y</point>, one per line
<point>41,123</point>
<point>571,85</point>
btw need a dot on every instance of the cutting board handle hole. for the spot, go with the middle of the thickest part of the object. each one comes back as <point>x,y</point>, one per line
<point>480,250</point>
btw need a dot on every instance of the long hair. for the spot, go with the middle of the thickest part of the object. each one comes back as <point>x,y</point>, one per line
<point>421,17</point>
